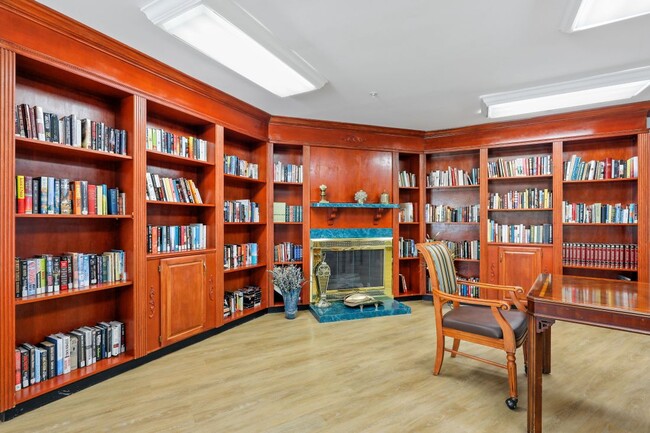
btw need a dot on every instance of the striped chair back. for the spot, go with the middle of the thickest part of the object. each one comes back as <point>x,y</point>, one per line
<point>444,266</point>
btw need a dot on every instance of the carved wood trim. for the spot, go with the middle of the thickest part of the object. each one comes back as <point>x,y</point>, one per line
<point>152,302</point>
<point>542,325</point>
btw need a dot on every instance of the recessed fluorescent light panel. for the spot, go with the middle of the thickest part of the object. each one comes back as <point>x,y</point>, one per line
<point>593,90</point>
<point>228,34</point>
<point>585,14</point>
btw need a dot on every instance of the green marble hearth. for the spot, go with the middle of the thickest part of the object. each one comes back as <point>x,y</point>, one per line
<point>338,311</point>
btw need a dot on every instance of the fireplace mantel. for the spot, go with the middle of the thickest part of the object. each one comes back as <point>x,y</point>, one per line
<point>333,209</point>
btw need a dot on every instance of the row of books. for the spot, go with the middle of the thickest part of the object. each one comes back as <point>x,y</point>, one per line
<point>466,288</point>
<point>530,198</point>
<point>167,239</point>
<point>406,247</point>
<point>441,213</point>
<point>167,189</point>
<point>61,353</point>
<point>48,273</point>
<point>241,211</point>
<point>33,122</point>
<point>283,212</point>
<point>467,249</point>
<point>578,169</point>
<point>166,142</point>
<point>238,255</point>
<point>540,165</point>
<point>53,196</point>
<point>287,172</point>
<point>407,180</point>
<point>407,212</point>
<point>236,166</point>
<point>242,299</point>
<point>519,233</point>
<point>287,252</point>
<point>600,255</point>
<point>453,177</point>
<point>599,213</point>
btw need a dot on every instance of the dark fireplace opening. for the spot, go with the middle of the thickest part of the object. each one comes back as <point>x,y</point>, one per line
<point>355,269</point>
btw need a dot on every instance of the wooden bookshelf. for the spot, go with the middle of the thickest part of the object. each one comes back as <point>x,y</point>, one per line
<point>255,189</point>
<point>181,279</point>
<point>289,173</point>
<point>456,195</point>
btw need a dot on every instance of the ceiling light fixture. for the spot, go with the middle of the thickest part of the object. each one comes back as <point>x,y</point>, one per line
<point>593,90</point>
<point>232,37</point>
<point>585,14</point>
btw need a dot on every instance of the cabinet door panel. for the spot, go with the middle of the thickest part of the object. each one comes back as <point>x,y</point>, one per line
<point>520,266</point>
<point>183,292</point>
<point>153,306</point>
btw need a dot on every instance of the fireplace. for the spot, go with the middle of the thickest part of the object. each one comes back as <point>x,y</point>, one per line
<point>357,265</point>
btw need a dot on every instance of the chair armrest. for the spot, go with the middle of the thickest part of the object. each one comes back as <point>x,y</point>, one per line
<point>503,305</point>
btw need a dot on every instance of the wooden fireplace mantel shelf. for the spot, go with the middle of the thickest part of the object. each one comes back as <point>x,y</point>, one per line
<point>333,208</point>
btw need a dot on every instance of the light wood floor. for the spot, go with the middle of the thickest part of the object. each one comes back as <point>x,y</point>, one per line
<point>373,375</point>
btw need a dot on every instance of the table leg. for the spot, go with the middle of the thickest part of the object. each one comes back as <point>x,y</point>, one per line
<point>536,359</point>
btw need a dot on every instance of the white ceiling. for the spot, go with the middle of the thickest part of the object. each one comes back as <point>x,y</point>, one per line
<point>428,60</point>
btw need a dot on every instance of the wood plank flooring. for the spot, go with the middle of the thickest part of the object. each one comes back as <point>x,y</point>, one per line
<point>276,375</point>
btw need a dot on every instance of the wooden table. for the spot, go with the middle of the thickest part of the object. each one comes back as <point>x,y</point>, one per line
<point>613,304</point>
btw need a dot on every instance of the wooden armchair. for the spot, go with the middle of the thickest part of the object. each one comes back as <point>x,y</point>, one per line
<point>489,322</point>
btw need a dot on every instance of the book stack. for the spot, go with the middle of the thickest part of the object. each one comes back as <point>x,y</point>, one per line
<point>167,189</point>
<point>242,299</point>
<point>48,273</point>
<point>286,213</point>
<point>61,353</point>
<point>530,198</point>
<point>238,255</point>
<point>406,212</point>
<point>291,173</point>
<point>241,211</point>
<point>519,233</point>
<point>466,249</point>
<point>599,213</point>
<point>466,288</point>
<point>52,196</point>
<point>453,177</point>
<point>33,122</point>
<point>600,255</point>
<point>407,180</point>
<point>166,239</point>
<point>407,247</point>
<point>540,165</point>
<point>166,142</point>
<point>236,166</point>
<point>444,214</point>
<point>287,252</point>
<point>610,168</point>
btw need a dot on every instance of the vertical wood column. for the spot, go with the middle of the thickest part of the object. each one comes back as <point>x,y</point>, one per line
<point>7,229</point>
<point>395,222</point>
<point>306,225</point>
<point>558,196</point>
<point>483,212</point>
<point>643,229</point>
<point>137,107</point>
<point>218,202</point>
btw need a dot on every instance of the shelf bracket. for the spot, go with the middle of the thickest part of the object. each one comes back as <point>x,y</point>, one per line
<point>378,215</point>
<point>332,215</point>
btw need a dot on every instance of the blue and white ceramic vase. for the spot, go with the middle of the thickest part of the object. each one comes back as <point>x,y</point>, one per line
<point>291,303</point>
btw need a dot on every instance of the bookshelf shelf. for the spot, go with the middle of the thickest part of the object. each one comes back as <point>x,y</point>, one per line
<point>253,224</point>
<point>290,184</point>
<point>75,217</point>
<point>288,223</point>
<point>409,258</point>
<point>244,268</point>
<point>298,262</point>
<point>601,224</point>
<point>231,178</point>
<point>174,203</point>
<point>57,382</point>
<point>514,244</point>
<point>453,187</point>
<point>241,314</point>
<point>520,178</point>
<point>468,260</point>
<point>522,210</point>
<point>154,155</point>
<point>453,223</point>
<point>71,292</point>
<point>65,150</point>
<point>413,223</point>
<point>409,188</point>
<point>180,253</point>
<point>597,181</point>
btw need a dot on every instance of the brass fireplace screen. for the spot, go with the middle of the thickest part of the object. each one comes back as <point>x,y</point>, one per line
<point>357,265</point>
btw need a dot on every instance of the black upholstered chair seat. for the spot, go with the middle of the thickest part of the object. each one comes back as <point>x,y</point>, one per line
<point>480,320</point>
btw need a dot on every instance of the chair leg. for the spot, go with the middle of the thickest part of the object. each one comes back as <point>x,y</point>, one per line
<point>511,402</point>
<point>440,353</point>
<point>455,347</point>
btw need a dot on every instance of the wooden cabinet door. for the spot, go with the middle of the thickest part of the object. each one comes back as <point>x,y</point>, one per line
<point>183,297</point>
<point>520,266</point>
<point>153,339</point>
